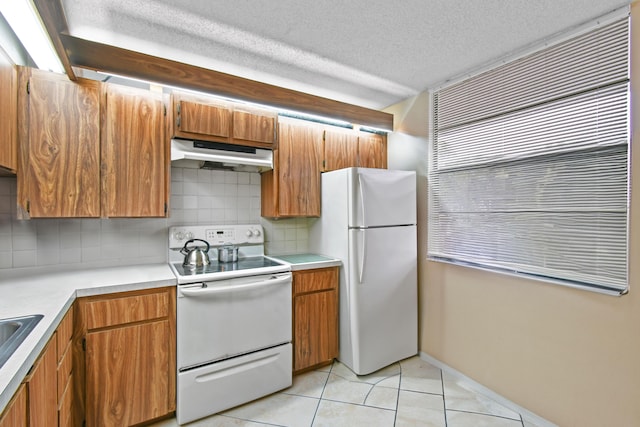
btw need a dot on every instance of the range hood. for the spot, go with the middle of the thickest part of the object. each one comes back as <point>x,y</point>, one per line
<point>225,156</point>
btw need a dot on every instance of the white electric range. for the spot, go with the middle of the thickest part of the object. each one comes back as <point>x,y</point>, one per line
<point>233,321</point>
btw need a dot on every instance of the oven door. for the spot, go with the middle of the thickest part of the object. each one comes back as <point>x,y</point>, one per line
<point>217,320</point>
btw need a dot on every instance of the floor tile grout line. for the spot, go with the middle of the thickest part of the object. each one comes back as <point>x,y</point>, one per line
<point>444,399</point>
<point>486,415</point>
<point>252,421</point>
<point>395,416</point>
<point>358,404</point>
<point>326,381</point>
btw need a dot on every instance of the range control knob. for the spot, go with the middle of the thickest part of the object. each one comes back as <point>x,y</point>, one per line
<point>249,233</point>
<point>178,235</point>
<point>188,235</point>
<point>256,232</point>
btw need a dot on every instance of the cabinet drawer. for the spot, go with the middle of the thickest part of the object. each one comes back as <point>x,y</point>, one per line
<point>64,371</point>
<point>63,333</point>
<point>65,405</point>
<point>129,309</point>
<point>315,280</point>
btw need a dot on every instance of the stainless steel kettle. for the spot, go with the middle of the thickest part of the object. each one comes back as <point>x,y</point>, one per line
<point>195,256</point>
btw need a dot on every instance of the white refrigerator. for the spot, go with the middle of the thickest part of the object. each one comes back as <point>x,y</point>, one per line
<point>368,221</point>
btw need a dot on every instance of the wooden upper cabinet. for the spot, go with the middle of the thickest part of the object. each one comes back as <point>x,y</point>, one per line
<point>345,148</point>
<point>292,188</point>
<point>134,155</point>
<point>254,125</point>
<point>8,115</point>
<point>59,132</point>
<point>210,119</point>
<point>200,118</point>
<point>340,149</point>
<point>372,150</point>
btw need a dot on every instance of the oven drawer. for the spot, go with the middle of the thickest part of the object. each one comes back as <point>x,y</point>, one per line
<point>231,317</point>
<point>213,388</point>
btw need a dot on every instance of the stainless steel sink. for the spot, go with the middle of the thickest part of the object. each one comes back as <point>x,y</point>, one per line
<point>13,331</point>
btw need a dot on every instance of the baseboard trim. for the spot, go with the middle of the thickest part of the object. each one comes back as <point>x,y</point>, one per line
<point>527,415</point>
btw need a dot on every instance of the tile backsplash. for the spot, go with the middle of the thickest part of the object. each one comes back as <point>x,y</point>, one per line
<point>198,196</point>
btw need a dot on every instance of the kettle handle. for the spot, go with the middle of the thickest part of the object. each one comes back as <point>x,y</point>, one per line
<point>184,249</point>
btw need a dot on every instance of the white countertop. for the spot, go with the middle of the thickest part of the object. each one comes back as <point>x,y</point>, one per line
<point>51,294</point>
<point>307,261</point>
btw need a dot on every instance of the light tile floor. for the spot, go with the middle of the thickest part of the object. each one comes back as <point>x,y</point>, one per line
<point>411,392</point>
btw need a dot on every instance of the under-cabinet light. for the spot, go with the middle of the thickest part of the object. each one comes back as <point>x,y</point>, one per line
<point>26,24</point>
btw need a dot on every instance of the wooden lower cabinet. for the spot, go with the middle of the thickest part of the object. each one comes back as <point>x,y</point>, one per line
<point>315,317</point>
<point>45,396</point>
<point>127,381</point>
<point>15,414</point>
<point>125,354</point>
<point>42,388</point>
<point>65,370</point>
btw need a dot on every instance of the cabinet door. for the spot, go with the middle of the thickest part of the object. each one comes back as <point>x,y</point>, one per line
<point>200,118</point>
<point>43,389</point>
<point>372,151</point>
<point>315,313</point>
<point>340,149</point>
<point>15,414</point>
<point>316,322</point>
<point>134,154</point>
<point>127,374</point>
<point>299,162</point>
<point>59,173</point>
<point>8,115</point>
<point>254,126</point>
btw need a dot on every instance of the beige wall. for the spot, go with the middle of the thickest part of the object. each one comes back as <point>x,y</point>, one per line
<point>570,356</point>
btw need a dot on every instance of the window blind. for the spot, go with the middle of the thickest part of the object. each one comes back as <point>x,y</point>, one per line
<point>528,164</point>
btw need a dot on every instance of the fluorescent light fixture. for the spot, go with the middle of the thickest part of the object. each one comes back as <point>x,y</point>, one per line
<point>25,22</point>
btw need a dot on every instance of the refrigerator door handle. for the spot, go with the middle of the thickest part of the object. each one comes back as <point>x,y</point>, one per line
<point>362,203</point>
<point>363,254</point>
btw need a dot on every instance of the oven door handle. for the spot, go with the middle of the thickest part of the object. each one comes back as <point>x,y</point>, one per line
<point>204,291</point>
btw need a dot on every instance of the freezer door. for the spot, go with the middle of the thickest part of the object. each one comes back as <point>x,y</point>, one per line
<point>382,314</point>
<point>383,197</point>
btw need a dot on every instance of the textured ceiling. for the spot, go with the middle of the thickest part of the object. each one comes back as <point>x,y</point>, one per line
<point>371,53</point>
